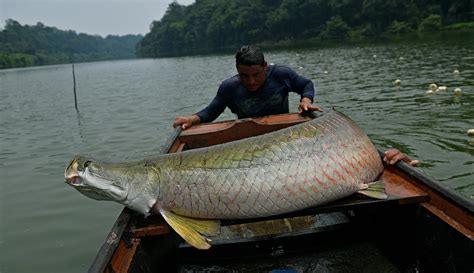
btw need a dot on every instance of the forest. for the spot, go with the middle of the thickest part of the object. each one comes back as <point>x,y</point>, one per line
<point>220,25</point>
<point>25,45</point>
<point>212,26</point>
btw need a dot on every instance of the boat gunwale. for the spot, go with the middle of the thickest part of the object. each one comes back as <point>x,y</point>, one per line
<point>436,185</point>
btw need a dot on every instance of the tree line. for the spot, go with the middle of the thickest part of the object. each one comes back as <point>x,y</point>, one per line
<point>30,45</point>
<point>218,25</point>
<point>214,25</point>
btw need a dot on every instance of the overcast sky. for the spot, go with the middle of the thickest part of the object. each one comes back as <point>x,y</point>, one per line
<point>102,17</point>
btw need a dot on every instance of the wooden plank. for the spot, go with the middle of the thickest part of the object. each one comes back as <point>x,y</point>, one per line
<point>456,208</point>
<point>151,230</point>
<point>205,128</point>
<point>467,231</point>
<point>177,146</point>
<point>398,187</point>
<point>209,134</point>
<point>107,249</point>
<point>126,254</point>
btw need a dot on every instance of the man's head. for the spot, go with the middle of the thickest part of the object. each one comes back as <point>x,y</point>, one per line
<point>251,66</point>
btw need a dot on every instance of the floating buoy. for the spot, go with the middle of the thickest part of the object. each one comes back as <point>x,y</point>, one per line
<point>397,82</point>
<point>429,92</point>
<point>456,71</point>
<point>401,58</point>
<point>300,67</point>
<point>325,72</point>
<point>457,91</point>
<point>375,55</point>
<point>470,132</point>
<point>433,87</point>
<point>442,88</point>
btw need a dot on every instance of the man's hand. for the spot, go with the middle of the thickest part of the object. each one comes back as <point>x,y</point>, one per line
<point>392,156</point>
<point>186,122</point>
<point>306,105</point>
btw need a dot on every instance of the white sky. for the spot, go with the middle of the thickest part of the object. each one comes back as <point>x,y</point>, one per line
<point>102,17</point>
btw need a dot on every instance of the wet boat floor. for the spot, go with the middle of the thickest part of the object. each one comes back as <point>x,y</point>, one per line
<point>360,257</point>
<point>314,244</point>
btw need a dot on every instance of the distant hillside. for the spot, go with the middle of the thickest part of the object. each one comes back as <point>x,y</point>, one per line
<point>25,45</point>
<point>215,25</point>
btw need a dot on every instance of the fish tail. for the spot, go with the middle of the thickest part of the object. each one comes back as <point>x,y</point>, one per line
<point>375,190</point>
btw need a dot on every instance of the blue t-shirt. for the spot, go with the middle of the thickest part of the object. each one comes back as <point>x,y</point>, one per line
<point>270,99</point>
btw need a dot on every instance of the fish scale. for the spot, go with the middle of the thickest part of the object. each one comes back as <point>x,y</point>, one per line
<point>301,166</point>
<point>282,194</point>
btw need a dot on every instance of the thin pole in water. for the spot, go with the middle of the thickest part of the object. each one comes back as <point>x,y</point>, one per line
<point>74,80</point>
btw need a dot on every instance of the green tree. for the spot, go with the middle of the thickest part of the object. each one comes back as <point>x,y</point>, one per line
<point>397,27</point>
<point>336,28</point>
<point>431,23</point>
<point>213,25</point>
<point>24,45</point>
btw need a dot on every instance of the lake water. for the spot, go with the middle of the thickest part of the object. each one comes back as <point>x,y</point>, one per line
<point>127,108</point>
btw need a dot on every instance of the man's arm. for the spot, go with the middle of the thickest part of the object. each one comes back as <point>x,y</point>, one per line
<point>305,88</point>
<point>214,109</point>
<point>299,84</point>
<point>208,114</point>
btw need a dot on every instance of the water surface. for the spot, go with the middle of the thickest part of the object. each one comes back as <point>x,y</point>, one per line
<point>126,109</point>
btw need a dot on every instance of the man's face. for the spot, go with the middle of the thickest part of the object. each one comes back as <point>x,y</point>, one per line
<point>253,76</point>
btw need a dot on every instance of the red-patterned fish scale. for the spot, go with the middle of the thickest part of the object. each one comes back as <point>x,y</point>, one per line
<point>302,166</point>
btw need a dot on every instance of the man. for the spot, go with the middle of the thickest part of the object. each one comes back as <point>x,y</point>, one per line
<point>257,90</point>
<point>260,89</point>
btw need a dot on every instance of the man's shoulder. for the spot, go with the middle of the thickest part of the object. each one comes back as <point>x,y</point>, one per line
<point>281,69</point>
<point>230,83</point>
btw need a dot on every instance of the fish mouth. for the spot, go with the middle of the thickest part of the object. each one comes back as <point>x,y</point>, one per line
<point>74,181</point>
<point>72,174</point>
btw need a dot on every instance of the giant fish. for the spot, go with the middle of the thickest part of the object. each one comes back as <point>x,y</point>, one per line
<point>312,163</point>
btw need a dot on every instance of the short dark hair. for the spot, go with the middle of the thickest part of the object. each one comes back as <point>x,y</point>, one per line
<point>249,55</point>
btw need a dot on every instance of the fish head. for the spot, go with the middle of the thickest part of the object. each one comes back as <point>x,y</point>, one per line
<point>95,180</point>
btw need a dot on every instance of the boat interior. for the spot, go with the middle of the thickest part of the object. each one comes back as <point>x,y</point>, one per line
<point>417,229</point>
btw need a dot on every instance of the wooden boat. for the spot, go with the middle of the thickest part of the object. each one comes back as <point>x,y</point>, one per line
<point>422,227</point>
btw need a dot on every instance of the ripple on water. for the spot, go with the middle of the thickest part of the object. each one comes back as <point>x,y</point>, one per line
<point>126,109</point>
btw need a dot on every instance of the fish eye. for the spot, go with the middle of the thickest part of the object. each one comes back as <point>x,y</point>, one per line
<point>86,164</point>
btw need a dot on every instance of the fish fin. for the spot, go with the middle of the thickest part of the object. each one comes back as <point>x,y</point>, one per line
<point>191,229</point>
<point>375,190</point>
<point>205,227</point>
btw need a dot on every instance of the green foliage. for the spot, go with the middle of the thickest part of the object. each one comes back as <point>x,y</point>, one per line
<point>459,26</point>
<point>360,33</point>
<point>397,27</point>
<point>336,29</point>
<point>216,25</point>
<point>17,60</point>
<point>24,45</point>
<point>430,23</point>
